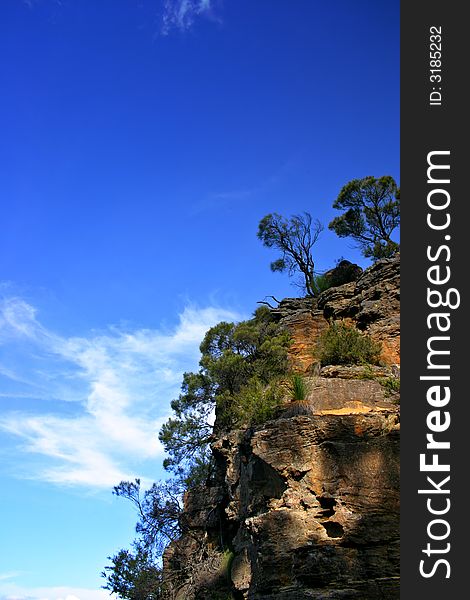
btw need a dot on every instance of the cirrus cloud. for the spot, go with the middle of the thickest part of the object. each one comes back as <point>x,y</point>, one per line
<point>181,14</point>
<point>96,402</point>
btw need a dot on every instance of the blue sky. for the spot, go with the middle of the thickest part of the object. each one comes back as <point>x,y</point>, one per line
<point>141,143</point>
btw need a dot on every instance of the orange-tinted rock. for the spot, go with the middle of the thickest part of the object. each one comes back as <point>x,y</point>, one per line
<point>305,331</point>
<point>372,304</point>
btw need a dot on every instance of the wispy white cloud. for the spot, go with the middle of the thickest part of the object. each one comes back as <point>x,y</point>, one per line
<point>181,14</point>
<point>118,385</point>
<point>176,14</point>
<point>10,575</point>
<point>11,591</point>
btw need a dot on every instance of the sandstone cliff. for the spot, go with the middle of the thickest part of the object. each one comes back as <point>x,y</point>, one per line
<point>307,505</point>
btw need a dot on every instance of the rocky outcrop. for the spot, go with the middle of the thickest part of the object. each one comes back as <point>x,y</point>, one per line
<point>306,506</point>
<point>305,322</point>
<point>371,303</point>
<point>344,272</point>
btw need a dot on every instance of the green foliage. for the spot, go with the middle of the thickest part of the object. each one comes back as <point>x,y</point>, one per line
<point>133,575</point>
<point>136,574</point>
<point>254,404</point>
<point>341,344</point>
<point>159,511</point>
<point>320,283</point>
<point>391,385</point>
<point>372,212</point>
<point>227,560</point>
<point>234,358</point>
<point>294,238</point>
<point>297,388</point>
<point>367,373</point>
<point>238,365</point>
<point>186,435</point>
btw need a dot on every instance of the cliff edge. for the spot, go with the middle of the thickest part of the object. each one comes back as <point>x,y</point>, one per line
<point>306,506</point>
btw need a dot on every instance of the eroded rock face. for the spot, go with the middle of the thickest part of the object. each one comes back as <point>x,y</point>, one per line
<point>371,303</point>
<point>307,505</point>
<point>305,324</point>
<point>334,529</point>
<point>344,272</point>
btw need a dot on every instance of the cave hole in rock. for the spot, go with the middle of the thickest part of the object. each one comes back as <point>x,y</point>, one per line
<point>328,505</point>
<point>265,480</point>
<point>333,529</point>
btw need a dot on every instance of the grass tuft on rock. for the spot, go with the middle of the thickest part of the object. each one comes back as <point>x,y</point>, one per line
<point>342,344</point>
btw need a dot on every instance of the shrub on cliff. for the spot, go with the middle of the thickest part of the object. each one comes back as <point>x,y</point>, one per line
<point>239,366</point>
<point>134,575</point>
<point>235,358</point>
<point>254,404</point>
<point>342,344</point>
<point>297,388</point>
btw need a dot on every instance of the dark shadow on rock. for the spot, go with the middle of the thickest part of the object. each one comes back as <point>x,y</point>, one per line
<point>335,531</point>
